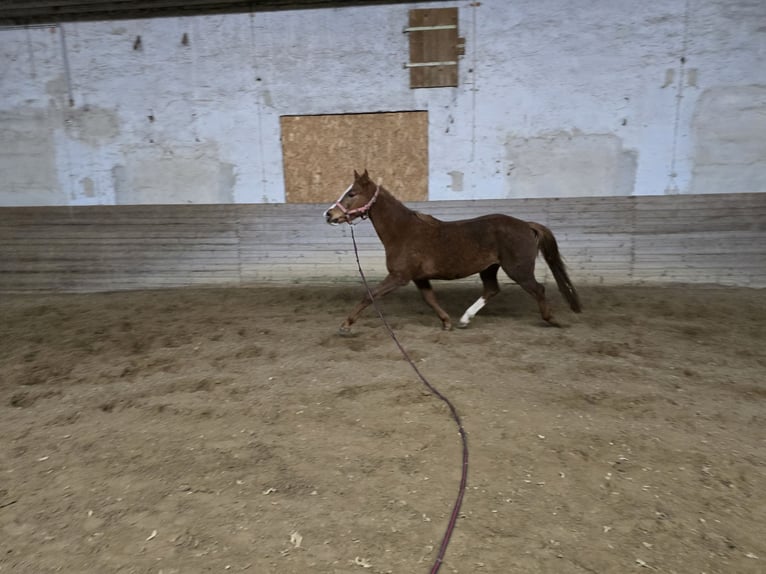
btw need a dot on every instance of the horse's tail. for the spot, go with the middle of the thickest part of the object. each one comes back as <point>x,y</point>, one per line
<point>550,250</point>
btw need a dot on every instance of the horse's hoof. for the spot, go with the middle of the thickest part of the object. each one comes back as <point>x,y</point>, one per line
<point>462,325</point>
<point>447,327</point>
<point>344,331</point>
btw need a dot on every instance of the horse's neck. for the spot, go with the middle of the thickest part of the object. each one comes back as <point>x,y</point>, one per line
<point>390,217</point>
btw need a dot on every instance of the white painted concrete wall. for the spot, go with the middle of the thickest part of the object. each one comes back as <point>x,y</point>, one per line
<point>609,97</point>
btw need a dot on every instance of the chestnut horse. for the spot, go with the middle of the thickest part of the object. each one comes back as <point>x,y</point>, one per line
<point>420,247</point>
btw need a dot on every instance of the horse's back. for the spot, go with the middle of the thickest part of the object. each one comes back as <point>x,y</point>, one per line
<point>487,237</point>
<point>491,225</point>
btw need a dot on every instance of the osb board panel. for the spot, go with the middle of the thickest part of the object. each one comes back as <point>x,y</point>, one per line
<point>321,153</point>
<point>620,240</point>
<point>433,46</point>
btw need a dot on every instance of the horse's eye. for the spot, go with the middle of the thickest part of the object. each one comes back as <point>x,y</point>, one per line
<point>351,193</point>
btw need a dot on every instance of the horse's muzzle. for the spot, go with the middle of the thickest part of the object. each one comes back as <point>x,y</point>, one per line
<point>334,219</point>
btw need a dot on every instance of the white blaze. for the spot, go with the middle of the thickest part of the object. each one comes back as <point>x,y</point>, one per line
<point>337,203</point>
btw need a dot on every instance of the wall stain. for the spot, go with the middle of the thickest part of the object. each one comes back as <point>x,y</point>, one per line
<point>727,130</point>
<point>88,187</point>
<point>28,159</point>
<point>570,164</point>
<point>457,180</point>
<point>92,125</point>
<point>180,174</point>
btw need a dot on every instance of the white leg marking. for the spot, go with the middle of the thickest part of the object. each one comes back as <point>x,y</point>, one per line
<point>470,313</point>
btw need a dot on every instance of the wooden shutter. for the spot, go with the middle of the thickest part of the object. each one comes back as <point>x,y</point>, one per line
<point>434,48</point>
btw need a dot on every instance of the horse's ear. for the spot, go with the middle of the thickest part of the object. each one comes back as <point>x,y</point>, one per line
<point>366,175</point>
<point>356,175</point>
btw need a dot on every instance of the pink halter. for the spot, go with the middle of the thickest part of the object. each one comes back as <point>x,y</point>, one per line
<point>361,211</point>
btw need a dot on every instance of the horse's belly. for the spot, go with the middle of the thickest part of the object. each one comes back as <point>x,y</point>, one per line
<point>455,266</point>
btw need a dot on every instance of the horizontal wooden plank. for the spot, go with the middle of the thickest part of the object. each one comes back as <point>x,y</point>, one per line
<point>696,239</point>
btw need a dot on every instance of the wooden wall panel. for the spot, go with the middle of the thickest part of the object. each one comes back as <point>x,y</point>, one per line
<point>104,248</point>
<point>320,154</point>
<point>716,239</point>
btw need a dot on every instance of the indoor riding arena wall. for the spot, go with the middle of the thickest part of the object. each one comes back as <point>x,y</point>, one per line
<point>702,239</point>
<point>614,99</point>
<point>203,149</point>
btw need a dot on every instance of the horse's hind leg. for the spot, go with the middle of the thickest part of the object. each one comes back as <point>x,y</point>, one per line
<point>491,288</point>
<point>526,279</point>
<point>424,285</point>
<point>537,290</point>
<point>388,284</point>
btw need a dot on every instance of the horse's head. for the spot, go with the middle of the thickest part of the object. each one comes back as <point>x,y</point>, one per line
<point>355,202</point>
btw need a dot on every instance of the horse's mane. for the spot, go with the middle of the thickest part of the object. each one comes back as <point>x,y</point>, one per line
<point>425,218</point>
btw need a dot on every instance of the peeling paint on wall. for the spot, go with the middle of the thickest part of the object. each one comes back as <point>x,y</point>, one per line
<point>177,175</point>
<point>56,90</point>
<point>88,187</point>
<point>227,180</point>
<point>729,131</point>
<point>91,125</point>
<point>457,180</point>
<point>28,160</point>
<point>568,164</point>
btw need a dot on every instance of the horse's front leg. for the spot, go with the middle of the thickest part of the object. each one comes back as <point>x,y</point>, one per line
<point>430,297</point>
<point>390,283</point>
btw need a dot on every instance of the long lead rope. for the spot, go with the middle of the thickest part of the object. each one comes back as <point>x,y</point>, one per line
<point>464,474</point>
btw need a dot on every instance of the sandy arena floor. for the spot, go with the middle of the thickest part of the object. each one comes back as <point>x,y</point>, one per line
<point>232,430</point>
